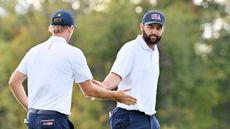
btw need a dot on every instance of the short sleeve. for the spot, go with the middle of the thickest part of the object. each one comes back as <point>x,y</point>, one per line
<point>23,65</point>
<point>124,61</point>
<point>80,68</point>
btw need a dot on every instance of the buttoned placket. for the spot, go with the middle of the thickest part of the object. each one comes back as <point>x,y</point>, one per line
<point>152,57</point>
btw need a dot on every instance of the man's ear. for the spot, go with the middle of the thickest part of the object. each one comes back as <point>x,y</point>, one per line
<point>163,29</point>
<point>141,26</point>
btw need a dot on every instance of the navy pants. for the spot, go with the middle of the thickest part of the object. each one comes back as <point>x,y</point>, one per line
<point>125,119</point>
<point>48,121</point>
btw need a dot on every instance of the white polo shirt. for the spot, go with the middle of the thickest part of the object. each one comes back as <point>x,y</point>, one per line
<point>51,68</point>
<point>138,65</point>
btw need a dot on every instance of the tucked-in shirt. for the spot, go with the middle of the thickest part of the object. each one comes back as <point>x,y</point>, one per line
<point>138,66</point>
<point>51,68</point>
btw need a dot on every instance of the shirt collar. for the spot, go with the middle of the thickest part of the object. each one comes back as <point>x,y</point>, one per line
<point>57,39</point>
<point>143,44</point>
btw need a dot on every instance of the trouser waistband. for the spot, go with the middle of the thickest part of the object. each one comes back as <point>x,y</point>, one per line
<point>46,112</point>
<point>132,111</point>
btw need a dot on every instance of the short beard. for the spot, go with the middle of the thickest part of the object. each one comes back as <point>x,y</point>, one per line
<point>148,39</point>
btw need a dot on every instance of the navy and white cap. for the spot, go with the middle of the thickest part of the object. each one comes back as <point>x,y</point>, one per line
<point>62,18</point>
<point>153,17</point>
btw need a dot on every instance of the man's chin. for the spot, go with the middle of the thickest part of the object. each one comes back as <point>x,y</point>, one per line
<point>151,43</point>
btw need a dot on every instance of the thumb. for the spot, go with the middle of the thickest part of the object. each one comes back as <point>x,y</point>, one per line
<point>126,90</point>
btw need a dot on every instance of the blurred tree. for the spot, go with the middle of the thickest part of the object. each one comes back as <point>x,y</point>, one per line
<point>194,82</point>
<point>216,37</point>
<point>190,78</point>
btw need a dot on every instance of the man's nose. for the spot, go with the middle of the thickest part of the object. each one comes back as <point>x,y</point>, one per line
<point>154,31</point>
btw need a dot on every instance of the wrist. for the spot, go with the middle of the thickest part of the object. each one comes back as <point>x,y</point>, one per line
<point>114,94</point>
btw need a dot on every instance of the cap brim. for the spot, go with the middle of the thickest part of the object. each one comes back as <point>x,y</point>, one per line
<point>154,22</point>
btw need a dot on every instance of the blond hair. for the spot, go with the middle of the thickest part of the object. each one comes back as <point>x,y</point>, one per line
<point>55,29</point>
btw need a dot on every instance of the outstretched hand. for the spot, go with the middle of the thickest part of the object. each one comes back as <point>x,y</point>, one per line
<point>122,97</point>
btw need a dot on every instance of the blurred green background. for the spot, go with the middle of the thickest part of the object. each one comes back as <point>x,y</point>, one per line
<point>194,84</point>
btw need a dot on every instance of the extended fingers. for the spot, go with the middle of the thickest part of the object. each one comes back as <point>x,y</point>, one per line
<point>126,90</point>
<point>129,100</point>
<point>123,97</point>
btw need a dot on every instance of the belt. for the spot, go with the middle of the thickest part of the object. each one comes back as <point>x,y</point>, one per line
<point>131,111</point>
<point>45,112</point>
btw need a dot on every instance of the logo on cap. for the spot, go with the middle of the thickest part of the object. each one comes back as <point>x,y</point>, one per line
<point>155,17</point>
<point>152,17</point>
<point>62,18</point>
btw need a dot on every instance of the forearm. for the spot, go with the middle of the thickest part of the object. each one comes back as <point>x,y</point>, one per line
<point>111,81</point>
<point>20,95</point>
<point>92,90</point>
<point>109,85</point>
<point>98,92</point>
<point>15,84</point>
